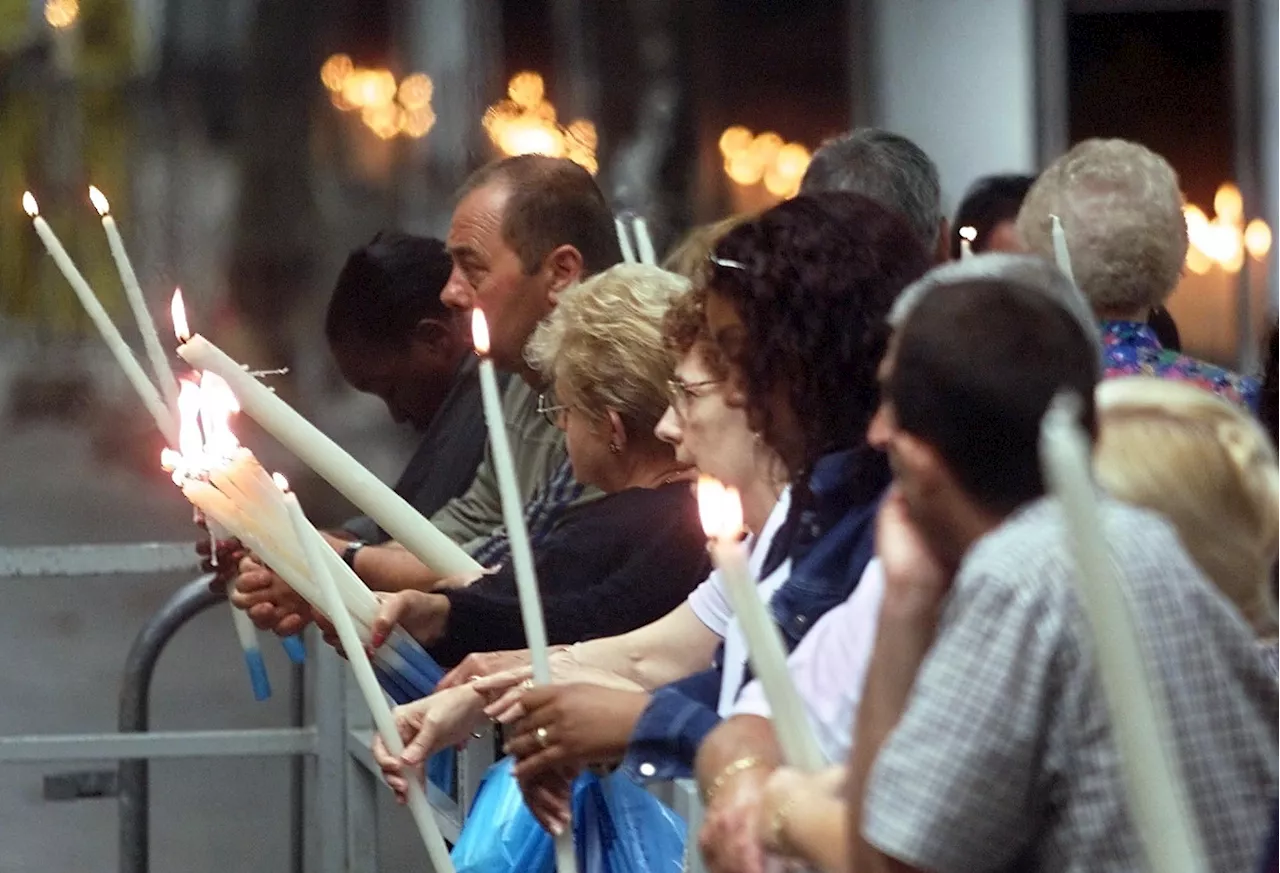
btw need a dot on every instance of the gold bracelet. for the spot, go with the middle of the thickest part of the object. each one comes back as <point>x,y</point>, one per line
<point>728,773</point>
<point>778,823</point>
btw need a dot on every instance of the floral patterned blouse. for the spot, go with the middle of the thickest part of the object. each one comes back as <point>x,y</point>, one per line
<point>1131,349</point>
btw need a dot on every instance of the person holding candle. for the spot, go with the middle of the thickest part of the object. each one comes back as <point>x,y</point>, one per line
<point>524,229</point>
<point>990,206</point>
<point>706,424</point>
<point>796,300</point>
<point>391,336</point>
<point>1121,212</point>
<point>621,561</point>
<point>983,742</point>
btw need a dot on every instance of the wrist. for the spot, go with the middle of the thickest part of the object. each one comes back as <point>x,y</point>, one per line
<point>777,837</point>
<point>729,775</point>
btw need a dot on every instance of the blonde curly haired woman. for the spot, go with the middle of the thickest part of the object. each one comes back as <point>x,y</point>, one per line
<point>1208,467</point>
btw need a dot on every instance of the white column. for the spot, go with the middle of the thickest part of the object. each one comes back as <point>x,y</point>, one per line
<point>958,78</point>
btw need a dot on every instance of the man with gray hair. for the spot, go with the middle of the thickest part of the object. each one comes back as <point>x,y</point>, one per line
<point>891,170</point>
<point>1121,212</point>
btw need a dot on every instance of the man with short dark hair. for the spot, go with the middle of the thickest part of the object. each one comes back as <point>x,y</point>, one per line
<point>990,206</point>
<point>392,337</point>
<point>983,741</point>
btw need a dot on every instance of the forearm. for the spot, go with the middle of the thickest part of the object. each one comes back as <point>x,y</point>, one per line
<point>743,742</point>
<point>392,568</point>
<point>661,652</point>
<point>903,638</point>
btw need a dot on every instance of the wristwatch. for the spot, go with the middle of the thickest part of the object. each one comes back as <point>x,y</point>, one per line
<point>349,553</point>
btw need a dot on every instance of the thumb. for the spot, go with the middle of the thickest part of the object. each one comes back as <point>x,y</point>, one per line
<point>390,609</point>
<point>418,748</point>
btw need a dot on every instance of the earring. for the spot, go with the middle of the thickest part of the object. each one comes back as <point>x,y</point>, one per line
<point>614,448</point>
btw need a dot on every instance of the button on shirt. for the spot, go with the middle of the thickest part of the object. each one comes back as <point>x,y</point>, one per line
<point>1004,759</point>
<point>1130,348</point>
<point>829,543</point>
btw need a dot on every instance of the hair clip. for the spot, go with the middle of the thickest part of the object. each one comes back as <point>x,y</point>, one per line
<point>725,262</point>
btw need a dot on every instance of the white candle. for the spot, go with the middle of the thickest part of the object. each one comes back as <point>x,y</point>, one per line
<point>644,244</point>
<point>133,292</point>
<point>721,512</point>
<point>391,511</point>
<point>331,603</point>
<point>624,242</point>
<point>119,348</point>
<point>1139,723</point>
<point>1061,254</point>
<point>535,629</point>
<point>967,236</point>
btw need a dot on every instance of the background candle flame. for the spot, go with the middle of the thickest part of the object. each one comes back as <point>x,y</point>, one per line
<point>178,312</point>
<point>969,233</point>
<point>720,509</point>
<point>479,332</point>
<point>99,200</point>
<point>29,204</point>
<point>281,482</point>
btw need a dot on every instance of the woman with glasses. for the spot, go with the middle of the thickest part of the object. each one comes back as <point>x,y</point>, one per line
<point>618,562</point>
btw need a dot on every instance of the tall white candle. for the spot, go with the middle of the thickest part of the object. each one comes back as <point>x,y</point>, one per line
<point>133,292</point>
<point>967,236</point>
<point>644,243</point>
<point>93,307</point>
<point>1061,254</point>
<point>535,629</point>
<point>391,511</point>
<point>624,242</point>
<point>721,511</point>
<point>1139,722</point>
<point>331,603</point>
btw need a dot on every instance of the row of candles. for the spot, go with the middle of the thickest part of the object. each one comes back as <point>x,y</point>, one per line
<point>226,483</point>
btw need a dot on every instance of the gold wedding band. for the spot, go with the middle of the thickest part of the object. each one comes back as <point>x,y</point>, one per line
<point>544,739</point>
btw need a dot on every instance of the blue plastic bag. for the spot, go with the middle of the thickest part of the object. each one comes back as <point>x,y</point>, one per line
<point>618,828</point>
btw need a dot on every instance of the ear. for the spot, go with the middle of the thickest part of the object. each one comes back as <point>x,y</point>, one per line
<point>942,248</point>
<point>617,432</point>
<point>564,267</point>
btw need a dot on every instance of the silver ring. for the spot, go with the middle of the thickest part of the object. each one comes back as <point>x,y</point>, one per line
<point>526,685</point>
<point>544,738</point>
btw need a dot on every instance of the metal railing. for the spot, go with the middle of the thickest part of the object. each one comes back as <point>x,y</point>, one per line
<point>340,812</point>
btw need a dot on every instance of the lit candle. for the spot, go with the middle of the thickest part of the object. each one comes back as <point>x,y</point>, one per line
<point>1139,723</point>
<point>535,630</point>
<point>93,307</point>
<point>331,603</point>
<point>133,292</point>
<point>721,512</point>
<point>1061,254</point>
<point>391,511</point>
<point>967,235</point>
<point>624,242</point>
<point>644,244</point>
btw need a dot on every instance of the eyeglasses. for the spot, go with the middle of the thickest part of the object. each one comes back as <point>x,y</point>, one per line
<point>550,410</point>
<point>682,392</point>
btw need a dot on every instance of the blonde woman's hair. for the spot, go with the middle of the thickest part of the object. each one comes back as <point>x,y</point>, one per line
<point>1206,466</point>
<point>689,257</point>
<point>1121,213</point>
<point>602,346</point>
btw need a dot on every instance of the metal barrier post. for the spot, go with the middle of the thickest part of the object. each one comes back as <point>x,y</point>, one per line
<point>135,700</point>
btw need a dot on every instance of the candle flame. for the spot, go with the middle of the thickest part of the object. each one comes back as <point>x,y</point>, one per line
<point>479,332</point>
<point>99,200</point>
<point>720,509</point>
<point>281,482</point>
<point>178,311</point>
<point>969,233</point>
<point>29,204</point>
<point>170,460</point>
<point>217,404</point>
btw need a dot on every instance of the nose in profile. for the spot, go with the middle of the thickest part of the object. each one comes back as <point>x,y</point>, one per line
<point>668,427</point>
<point>457,292</point>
